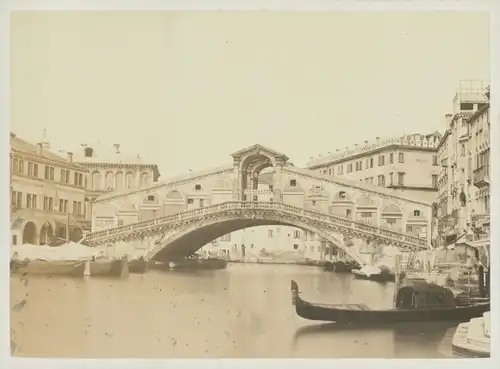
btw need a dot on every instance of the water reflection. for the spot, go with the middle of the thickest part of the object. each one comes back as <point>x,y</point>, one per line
<point>401,340</point>
<point>243,311</point>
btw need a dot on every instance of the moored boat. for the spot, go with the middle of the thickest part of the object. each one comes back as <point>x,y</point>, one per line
<point>139,265</point>
<point>415,300</point>
<point>195,262</point>
<point>376,274</point>
<point>44,267</point>
<point>109,267</point>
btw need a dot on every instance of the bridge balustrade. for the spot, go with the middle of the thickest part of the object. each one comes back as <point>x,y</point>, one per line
<point>245,205</point>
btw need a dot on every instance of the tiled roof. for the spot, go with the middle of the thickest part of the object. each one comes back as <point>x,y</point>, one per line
<point>23,146</point>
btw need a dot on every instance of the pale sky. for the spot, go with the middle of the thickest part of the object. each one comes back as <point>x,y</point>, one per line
<point>187,89</point>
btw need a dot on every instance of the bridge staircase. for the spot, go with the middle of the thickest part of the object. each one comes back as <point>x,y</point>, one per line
<point>249,210</point>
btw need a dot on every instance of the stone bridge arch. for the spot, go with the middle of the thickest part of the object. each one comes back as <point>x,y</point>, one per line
<point>191,236</point>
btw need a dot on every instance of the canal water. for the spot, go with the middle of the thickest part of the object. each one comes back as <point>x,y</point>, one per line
<point>244,311</point>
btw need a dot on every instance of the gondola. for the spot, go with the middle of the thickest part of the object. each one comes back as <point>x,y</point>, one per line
<point>415,300</point>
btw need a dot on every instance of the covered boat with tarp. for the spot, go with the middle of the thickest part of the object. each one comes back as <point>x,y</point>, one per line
<point>68,259</point>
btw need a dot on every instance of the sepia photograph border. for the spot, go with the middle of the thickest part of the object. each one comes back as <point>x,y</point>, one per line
<point>492,6</point>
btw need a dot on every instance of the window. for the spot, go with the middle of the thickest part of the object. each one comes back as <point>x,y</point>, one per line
<point>32,169</point>
<point>255,198</point>
<point>15,165</point>
<point>401,179</point>
<point>342,195</point>
<point>190,201</point>
<point>270,233</point>
<point>31,201</point>
<point>381,160</point>
<point>151,197</point>
<point>295,246</point>
<point>296,234</point>
<point>434,160</point>
<point>391,179</point>
<point>79,208</point>
<point>14,240</point>
<point>197,187</point>
<point>349,168</point>
<point>120,222</point>
<point>51,173</point>
<point>47,172</point>
<point>75,207</point>
<point>462,150</point>
<point>51,204</point>
<point>330,171</point>
<point>434,180</point>
<point>293,182</point>
<point>391,158</point>
<point>348,213</point>
<point>416,213</point>
<point>371,162</point>
<point>21,166</point>
<point>63,175</point>
<point>202,203</point>
<point>401,157</point>
<point>66,180</point>
<point>226,237</point>
<point>466,106</point>
<point>63,206</point>
<point>19,203</point>
<point>381,180</point>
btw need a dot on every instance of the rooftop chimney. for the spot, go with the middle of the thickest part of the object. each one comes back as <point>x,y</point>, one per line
<point>70,157</point>
<point>366,142</point>
<point>337,150</point>
<point>39,149</point>
<point>117,148</point>
<point>448,118</point>
<point>378,139</point>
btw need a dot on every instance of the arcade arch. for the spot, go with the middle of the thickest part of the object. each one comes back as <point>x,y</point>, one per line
<point>29,233</point>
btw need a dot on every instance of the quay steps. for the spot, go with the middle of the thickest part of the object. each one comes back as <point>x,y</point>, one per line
<point>472,339</point>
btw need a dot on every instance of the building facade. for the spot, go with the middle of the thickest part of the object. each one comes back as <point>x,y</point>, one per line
<point>408,165</point>
<point>109,170</point>
<point>464,155</point>
<point>47,194</point>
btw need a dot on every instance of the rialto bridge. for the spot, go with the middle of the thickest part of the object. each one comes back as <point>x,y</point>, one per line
<point>174,218</point>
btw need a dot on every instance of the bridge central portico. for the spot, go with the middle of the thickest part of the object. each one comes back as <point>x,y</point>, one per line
<point>176,217</point>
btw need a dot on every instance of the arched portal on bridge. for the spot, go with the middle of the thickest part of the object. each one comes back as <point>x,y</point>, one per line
<point>249,163</point>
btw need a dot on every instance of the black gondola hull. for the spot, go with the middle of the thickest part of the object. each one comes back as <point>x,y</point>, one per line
<point>332,313</point>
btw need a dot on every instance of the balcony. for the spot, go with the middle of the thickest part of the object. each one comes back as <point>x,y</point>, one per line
<point>482,176</point>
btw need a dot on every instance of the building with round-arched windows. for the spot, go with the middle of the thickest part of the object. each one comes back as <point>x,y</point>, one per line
<point>111,169</point>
